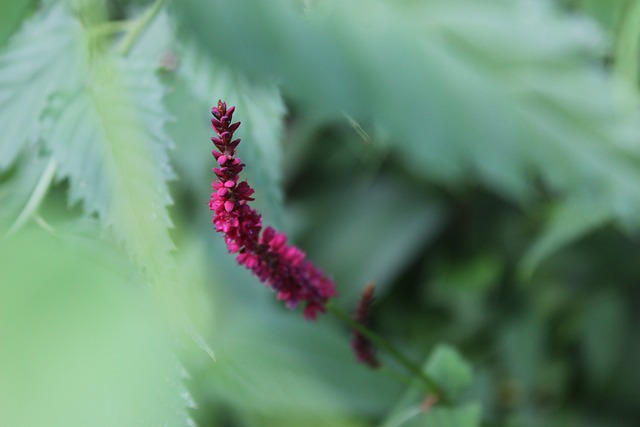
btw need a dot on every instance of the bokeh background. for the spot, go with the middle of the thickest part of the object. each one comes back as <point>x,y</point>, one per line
<point>478,160</point>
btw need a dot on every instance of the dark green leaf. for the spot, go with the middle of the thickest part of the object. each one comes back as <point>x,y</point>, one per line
<point>525,349</point>
<point>604,333</point>
<point>567,222</point>
<point>356,232</point>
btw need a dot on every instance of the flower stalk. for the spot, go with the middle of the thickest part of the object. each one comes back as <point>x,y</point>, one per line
<point>429,383</point>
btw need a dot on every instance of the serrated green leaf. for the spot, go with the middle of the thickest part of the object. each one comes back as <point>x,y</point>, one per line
<point>261,111</point>
<point>108,140</point>
<point>449,370</point>
<point>498,91</point>
<point>44,56</point>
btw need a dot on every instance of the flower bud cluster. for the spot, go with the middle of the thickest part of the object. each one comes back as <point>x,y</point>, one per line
<point>263,251</point>
<point>363,349</point>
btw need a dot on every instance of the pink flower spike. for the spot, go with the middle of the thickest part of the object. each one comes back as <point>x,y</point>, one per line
<point>234,126</point>
<point>265,252</point>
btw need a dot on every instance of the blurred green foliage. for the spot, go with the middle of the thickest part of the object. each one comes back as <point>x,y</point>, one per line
<point>478,160</point>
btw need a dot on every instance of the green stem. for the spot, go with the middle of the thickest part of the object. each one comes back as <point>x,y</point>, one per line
<point>138,27</point>
<point>36,198</point>
<point>42,223</point>
<point>384,345</point>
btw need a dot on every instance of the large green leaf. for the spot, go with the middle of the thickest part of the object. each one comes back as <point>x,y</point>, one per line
<point>447,367</point>
<point>83,342</point>
<point>43,57</point>
<point>108,140</point>
<point>504,92</point>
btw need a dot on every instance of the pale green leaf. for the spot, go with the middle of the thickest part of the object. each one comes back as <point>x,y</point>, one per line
<point>84,342</point>
<point>44,56</point>
<point>449,370</point>
<point>108,140</point>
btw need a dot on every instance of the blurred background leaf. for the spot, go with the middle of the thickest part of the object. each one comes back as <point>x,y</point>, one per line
<point>44,57</point>
<point>87,343</point>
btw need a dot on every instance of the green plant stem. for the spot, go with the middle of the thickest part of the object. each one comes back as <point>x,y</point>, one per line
<point>385,346</point>
<point>42,223</point>
<point>36,198</point>
<point>138,27</point>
